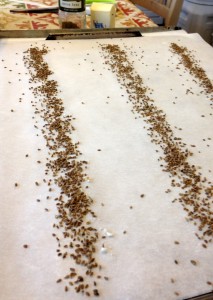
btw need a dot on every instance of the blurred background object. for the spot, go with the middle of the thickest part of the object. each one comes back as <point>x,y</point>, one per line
<point>168,10</point>
<point>197,16</point>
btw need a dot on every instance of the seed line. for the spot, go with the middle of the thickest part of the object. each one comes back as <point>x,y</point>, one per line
<point>196,192</point>
<point>75,236</point>
<point>192,66</point>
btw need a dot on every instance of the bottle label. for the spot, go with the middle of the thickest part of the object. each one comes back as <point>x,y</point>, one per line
<point>72,6</point>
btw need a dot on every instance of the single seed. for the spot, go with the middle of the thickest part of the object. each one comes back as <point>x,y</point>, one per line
<point>66,288</point>
<point>193,262</point>
<point>96,293</point>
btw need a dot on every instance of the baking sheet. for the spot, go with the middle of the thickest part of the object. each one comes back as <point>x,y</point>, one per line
<point>140,263</point>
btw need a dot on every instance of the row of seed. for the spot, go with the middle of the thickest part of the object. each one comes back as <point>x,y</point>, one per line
<point>191,64</point>
<point>76,238</point>
<point>195,192</point>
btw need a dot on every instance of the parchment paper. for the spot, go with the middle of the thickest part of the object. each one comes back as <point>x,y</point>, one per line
<point>140,263</point>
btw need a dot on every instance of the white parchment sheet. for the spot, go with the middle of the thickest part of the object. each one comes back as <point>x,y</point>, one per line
<point>139,264</point>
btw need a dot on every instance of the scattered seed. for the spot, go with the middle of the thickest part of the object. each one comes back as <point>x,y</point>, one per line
<point>193,262</point>
<point>96,293</point>
<point>66,288</point>
<point>59,280</point>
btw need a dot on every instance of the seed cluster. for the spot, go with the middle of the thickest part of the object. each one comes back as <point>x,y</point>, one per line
<point>76,238</point>
<point>191,64</point>
<point>195,192</point>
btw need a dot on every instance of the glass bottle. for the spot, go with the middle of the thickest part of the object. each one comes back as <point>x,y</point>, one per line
<point>72,14</point>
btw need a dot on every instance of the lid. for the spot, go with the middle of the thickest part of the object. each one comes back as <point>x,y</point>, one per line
<point>201,2</point>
